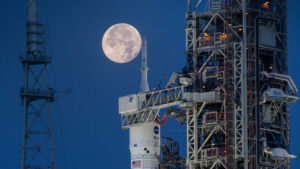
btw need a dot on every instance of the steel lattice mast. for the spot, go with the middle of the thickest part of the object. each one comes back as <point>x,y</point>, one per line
<point>37,96</point>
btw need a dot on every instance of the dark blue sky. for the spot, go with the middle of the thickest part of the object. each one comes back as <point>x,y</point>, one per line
<point>91,124</point>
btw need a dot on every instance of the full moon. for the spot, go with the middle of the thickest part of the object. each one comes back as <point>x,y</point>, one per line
<point>121,43</point>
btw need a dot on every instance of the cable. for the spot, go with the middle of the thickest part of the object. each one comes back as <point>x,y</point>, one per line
<point>170,62</point>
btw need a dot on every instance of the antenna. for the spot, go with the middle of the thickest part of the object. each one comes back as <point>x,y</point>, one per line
<point>32,11</point>
<point>144,83</point>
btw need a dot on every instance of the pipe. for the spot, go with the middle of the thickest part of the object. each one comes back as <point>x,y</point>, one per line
<point>257,121</point>
<point>164,121</point>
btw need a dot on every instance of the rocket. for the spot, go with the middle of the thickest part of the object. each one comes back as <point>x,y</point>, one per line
<point>145,138</point>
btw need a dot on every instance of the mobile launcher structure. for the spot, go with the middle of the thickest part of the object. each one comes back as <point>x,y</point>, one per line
<point>233,95</point>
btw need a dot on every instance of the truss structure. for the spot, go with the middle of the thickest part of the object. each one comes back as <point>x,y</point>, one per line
<point>37,96</point>
<point>235,88</point>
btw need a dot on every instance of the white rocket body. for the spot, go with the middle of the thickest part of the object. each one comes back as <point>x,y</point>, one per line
<point>145,139</point>
<point>145,146</point>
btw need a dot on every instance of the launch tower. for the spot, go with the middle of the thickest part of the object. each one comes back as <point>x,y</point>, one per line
<point>234,92</point>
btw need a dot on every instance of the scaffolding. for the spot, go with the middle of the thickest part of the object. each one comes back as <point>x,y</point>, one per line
<point>170,157</point>
<point>235,88</point>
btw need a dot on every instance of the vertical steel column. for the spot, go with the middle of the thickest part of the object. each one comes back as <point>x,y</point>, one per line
<point>192,154</point>
<point>190,138</point>
<point>25,108</point>
<point>244,87</point>
<point>196,144</point>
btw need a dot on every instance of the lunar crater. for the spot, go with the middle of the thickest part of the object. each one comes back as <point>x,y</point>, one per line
<point>121,43</point>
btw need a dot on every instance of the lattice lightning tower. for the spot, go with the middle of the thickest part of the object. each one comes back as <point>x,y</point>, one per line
<point>37,96</point>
